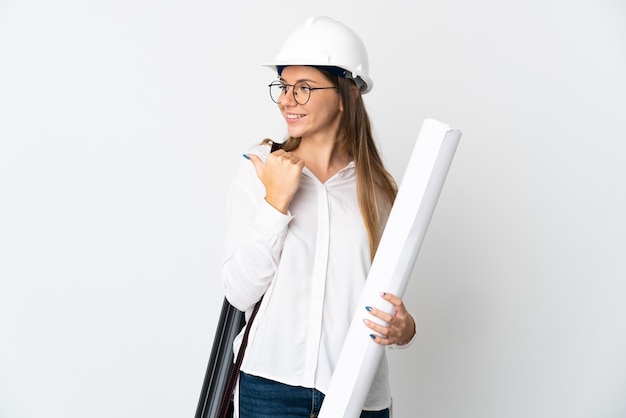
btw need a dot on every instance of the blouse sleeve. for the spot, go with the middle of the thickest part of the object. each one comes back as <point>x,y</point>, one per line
<point>255,233</point>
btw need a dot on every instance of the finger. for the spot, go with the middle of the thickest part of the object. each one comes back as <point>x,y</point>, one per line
<point>379,340</point>
<point>386,317</point>
<point>394,300</point>
<point>293,159</point>
<point>257,162</point>
<point>387,335</point>
<point>379,334</point>
<point>374,326</point>
<point>279,152</point>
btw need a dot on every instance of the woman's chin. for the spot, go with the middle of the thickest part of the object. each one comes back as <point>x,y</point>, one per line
<point>295,133</point>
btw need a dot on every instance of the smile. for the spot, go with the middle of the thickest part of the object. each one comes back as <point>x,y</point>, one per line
<point>294,116</point>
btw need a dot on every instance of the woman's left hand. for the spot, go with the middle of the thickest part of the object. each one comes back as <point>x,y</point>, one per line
<point>401,326</point>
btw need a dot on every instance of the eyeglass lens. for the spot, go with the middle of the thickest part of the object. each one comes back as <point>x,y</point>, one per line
<point>301,91</point>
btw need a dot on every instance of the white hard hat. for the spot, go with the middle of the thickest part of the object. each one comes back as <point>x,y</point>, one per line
<point>325,42</point>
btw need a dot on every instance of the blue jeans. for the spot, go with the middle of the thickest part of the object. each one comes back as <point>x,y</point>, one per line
<point>263,398</point>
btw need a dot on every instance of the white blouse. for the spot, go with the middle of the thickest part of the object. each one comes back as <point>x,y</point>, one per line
<point>309,266</point>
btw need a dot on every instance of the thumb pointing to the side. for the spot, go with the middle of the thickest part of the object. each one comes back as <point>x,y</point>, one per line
<point>257,162</point>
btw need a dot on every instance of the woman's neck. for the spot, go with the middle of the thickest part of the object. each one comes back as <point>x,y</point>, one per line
<point>322,158</point>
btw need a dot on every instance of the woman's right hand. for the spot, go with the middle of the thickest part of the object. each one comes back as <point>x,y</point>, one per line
<point>281,177</point>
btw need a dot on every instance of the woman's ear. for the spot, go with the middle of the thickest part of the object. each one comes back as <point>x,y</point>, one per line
<point>356,91</point>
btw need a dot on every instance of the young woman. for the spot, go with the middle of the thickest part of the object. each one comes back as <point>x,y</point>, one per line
<point>304,223</point>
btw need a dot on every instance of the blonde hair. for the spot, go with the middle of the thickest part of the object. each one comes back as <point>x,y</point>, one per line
<point>376,188</point>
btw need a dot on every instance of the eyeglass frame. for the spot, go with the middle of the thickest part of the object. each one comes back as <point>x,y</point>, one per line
<point>286,86</point>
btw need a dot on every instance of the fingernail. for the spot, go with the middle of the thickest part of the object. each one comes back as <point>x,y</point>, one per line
<point>246,156</point>
<point>383,293</point>
<point>368,308</point>
<point>372,336</point>
<point>366,321</point>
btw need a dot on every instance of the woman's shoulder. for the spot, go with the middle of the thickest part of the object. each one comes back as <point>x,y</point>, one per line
<point>263,148</point>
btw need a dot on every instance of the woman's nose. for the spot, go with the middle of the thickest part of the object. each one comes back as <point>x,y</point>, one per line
<point>287,98</point>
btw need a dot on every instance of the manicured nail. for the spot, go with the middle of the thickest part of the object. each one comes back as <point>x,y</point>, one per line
<point>383,293</point>
<point>368,308</point>
<point>246,156</point>
<point>366,321</point>
<point>372,336</point>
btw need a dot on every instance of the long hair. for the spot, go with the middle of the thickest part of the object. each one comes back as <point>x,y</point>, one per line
<point>376,188</point>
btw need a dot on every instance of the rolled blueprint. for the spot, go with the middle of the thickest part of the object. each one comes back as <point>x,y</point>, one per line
<point>391,268</point>
<point>230,324</point>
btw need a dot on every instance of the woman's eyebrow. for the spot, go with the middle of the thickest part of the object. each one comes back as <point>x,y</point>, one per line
<point>304,80</point>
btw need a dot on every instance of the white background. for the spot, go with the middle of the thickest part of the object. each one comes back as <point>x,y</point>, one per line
<point>121,123</point>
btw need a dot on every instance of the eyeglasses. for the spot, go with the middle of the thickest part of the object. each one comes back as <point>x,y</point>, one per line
<point>301,91</point>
